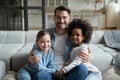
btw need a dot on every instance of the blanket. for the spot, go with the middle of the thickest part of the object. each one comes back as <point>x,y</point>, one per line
<point>112,39</point>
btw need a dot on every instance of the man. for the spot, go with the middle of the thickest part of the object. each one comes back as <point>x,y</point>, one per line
<point>61,43</point>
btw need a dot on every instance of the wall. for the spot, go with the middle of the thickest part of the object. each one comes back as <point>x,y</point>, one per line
<point>98,18</point>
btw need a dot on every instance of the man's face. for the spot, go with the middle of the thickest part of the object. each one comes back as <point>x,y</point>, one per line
<point>61,19</point>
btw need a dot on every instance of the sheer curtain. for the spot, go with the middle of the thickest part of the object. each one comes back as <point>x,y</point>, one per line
<point>118,26</point>
<point>112,14</point>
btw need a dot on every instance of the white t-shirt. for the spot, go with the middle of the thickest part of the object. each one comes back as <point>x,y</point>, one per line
<point>59,49</point>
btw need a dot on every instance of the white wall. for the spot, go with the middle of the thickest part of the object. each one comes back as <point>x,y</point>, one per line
<point>80,4</point>
<point>84,4</point>
<point>98,20</point>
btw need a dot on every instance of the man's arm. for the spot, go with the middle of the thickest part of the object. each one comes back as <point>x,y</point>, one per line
<point>86,57</point>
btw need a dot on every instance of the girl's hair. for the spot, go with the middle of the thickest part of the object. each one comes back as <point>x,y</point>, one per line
<point>41,33</point>
<point>85,27</point>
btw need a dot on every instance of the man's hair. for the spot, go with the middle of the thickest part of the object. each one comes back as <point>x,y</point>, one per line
<point>85,27</point>
<point>62,8</point>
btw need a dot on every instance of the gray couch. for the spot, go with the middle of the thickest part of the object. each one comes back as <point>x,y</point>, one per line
<point>16,45</point>
<point>2,70</point>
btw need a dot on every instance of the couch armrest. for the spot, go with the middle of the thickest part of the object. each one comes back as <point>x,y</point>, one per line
<point>2,70</point>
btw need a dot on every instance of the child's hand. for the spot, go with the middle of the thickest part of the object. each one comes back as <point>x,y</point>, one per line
<point>60,74</point>
<point>33,59</point>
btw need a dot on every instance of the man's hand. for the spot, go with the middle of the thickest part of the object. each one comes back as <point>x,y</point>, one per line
<point>33,59</point>
<point>86,57</point>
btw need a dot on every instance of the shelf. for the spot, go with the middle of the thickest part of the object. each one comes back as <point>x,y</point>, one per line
<point>102,10</point>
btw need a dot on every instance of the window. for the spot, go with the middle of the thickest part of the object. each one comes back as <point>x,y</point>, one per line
<point>54,3</point>
<point>17,14</point>
<point>51,2</point>
<point>58,2</point>
<point>65,2</point>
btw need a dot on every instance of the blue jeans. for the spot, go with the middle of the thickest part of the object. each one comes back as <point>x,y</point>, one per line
<point>23,74</point>
<point>94,76</point>
<point>78,73</point>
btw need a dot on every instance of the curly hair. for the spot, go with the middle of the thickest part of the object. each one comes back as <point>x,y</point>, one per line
<point>85,27</point>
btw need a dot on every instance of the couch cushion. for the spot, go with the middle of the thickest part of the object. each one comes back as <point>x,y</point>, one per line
<point>2,70</point>
<point>16,37</point>
<point>1,45</point>
<point>21,56</point>
<point>109,50</point>
<point>3,37</point>
<point>7,51</point>
<point>102,57</point>
<point>31,36</point>
<point>97,37</point>
<point>10,42</point>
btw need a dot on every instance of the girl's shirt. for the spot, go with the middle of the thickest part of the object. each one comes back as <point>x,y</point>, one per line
<point>75,60</point>
<point>46,63</point>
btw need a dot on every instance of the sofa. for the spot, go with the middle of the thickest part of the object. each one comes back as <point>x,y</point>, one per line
<point>16,45</point>
<point>2,69</point>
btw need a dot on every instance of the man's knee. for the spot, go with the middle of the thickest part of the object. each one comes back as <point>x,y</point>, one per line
<point>82,69</point>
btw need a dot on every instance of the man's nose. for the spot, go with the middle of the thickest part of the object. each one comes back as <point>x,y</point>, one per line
<point>61,20</point>
<point>74,36</point>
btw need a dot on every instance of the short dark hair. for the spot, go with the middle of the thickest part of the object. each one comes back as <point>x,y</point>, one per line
<point>41,33</point>
<point>84,26</point>
<point>62,8</point>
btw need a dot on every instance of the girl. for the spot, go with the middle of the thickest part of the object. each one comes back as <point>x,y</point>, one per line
<point>46,65</point>
<point>80,33</point>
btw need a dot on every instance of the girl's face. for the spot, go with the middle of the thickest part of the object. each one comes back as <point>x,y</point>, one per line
<point>77,36</point>
<point>44,43</point>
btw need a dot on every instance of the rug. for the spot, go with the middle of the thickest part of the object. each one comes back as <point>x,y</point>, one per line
<point>111,75</point>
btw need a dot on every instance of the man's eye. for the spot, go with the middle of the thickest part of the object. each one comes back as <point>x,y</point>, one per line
<point>64,17</point>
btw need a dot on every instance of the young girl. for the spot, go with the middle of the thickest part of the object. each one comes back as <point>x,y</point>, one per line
<point>46,65</point>
<point>80,33</point>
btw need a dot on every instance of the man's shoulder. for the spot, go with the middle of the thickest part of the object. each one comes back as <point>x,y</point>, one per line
<point>50,30</point>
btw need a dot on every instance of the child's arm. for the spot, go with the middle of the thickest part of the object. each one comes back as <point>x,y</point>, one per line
<point>31,58</point>
<point>50,67</point>
<point>76,60</point>
<point>73,64</point>
<point>86,57</point>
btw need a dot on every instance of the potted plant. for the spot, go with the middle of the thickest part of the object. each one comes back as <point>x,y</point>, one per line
<point>14,13</point>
